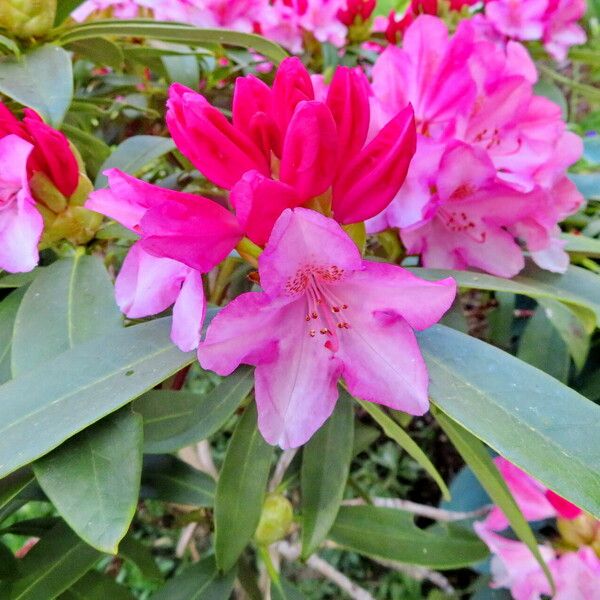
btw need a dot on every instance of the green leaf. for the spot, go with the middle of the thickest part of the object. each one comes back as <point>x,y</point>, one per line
<point>10,45</point>
<point>99,50</point>
<point>477,457</point>
<point>41,79</point>
<point>96,586</point>
<point>69,302</point>
<point>539,424</point>
<point>94,479</point>
<point>169,479</point>
<point>93,150</point>
<point>53,565</point>
<point>240,490</point>
<point>391,534</point>
<point>9,567</point>
<point>201,581</point>
<point>364,436</point>
<point>12,485</point>
<point>173,420</point>
<point>582,244</point>
<point>8,313</point>
<point>64,8</point>
<point>139,554</point>
<point>284,590</point>
<point>134,154</point>
<point>550,90</point>
<point>41,410</point>
<point>173,32</point>
<point>325,466</point>
<point>182,69</point>
<point>540,333</point>
<point>37,527</point>
<point>396,433</point>
<point>17,280</point>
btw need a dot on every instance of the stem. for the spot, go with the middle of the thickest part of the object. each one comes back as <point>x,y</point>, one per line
<point>263,551</point>
<point>249,251</point>
<point>586,90</point>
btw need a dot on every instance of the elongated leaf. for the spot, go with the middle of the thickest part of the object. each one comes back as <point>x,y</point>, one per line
<point>477,457</point>
<point>325,467</point>
<point>530,418</point>
<point>173,420</point>
<point>201,581</point>
<point>582,244</point>
<point>100,50</point>
<point>53,565</point>
<point>92,149</point>
<point>182,69</point>
<point>41,410</point>
<point>284,590</point>
<point>9,567</point>
<point>240,490</point>
<point>578,288</point>
<point>13,484</point>
<point>41,79</point>
<point>140,555</point>
<point>94,479</point>
<point>396,433</point>
<point>96,586</point>
<point>174,32</point>
<point>8,314</point>
<point>391,534</point>
<point>169,479</point>
<point>17,280</point>
<point>68,303</point>
<point>133,154</point>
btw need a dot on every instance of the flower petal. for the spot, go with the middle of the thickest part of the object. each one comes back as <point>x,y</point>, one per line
<point>188,313</point>
<point>292,85</point>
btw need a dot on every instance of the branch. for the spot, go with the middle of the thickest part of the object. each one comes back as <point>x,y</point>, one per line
<point>287,456</point>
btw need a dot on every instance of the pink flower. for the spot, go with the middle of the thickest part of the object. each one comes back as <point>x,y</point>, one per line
<point>561,30</point>
<point>325,314</point>
<point>183,235</point>
<point>307,149</point>
<point>21,225</point>
<point>354,10</point>
<point>122,9</point>
<point>517,19</point>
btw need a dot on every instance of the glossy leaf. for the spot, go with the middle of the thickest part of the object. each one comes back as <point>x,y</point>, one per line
<point>391,534</point>
<point>325,467</point>
<point>201,581</point>
<point>97,586</point>
<point>240,490</point>
<point>8,314</point>
<point>173,420</point>
<point>94,479</point>
<point>476,456</point>
<point>52,566</point>
<point>134,154</point>
<point>41,79</point>
<point>396,433</point>
<point>530,418</point>
<point>41,410</point>
<point>169,479</point>
<point>69,302</point>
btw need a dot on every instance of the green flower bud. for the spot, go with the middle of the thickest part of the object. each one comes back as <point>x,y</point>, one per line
<point>27,18</point>
<point>275,520</point>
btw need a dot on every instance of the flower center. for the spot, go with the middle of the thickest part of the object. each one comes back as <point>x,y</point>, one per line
<point>460,222</point>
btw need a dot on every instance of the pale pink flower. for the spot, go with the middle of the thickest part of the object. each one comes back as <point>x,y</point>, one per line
<point>325,314</point>
<point>21,224</point>
<point>518,19</point>
<point>122,9</point>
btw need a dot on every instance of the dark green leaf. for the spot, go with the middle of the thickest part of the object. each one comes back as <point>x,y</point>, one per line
<point>240,490</point>
<point>69,302</point>
<point>96,586</point>
<point>364,436</point>
<point>140,555</point>
<point>64,8</point>
<point>201,581</point>
<point>8,564</point>
<point>530,418</point>
<point>325,466</point>
<point>56,400</point>
<point>182,69</point>
<point>12,485</point>
<point>99,50</point>
<point>134,154</point>
<point>392,535</point>
<point>8,313</point>
<point>92,149</point>
<point>284,590</point>
<point>31,527</point>
<point>17,280</point>
<point>53,565</point>
<point>169,479</point>
<point>94,479</point>
<point>173,420</point>
<point>41,79</point>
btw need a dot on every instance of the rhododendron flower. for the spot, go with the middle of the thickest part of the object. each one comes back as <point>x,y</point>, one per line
<point>182,236</point>
<point>21,224</point>
<point>121,9</point>
<point>356,10</point>
<point>299,147</point>
<point>325,314</point>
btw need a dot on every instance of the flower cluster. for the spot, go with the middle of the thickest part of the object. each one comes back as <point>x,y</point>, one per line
<point>489,173</point>
<point>574,563</point>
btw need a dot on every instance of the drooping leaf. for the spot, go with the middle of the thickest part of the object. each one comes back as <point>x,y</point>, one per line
<point>94,479</point>
<point>173,420</point>
<point>8,313</point>
<point>41,409</point>
<point>201,581</point>
<point>69,302</point>
<point>41,79</point>
<point>96,586</point>
<point>477,457</point>
<point>133,154</point>
<point>539,424</point>
<point>139,554</point>
<point>169,479</point>
<point>392,535</point>
<point>325,466</point>
<point>240,490</point>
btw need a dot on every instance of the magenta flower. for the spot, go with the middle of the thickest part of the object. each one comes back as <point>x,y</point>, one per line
<point>21,224</point>
<point>325,314</point>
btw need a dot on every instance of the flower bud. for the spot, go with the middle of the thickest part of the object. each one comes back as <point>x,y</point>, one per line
<point>275,520</point>
<point>581,531</point>
<point>27,18</point>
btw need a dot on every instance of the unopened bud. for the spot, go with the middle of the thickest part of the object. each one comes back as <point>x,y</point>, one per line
<point>275,520</point>
<point>27,18</point>
<point>584,530</point>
